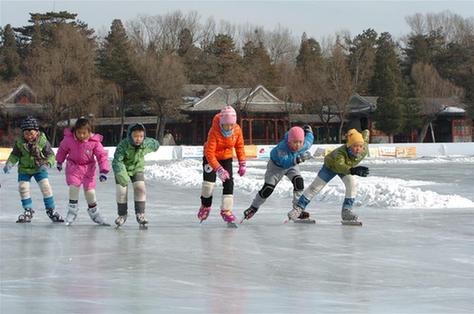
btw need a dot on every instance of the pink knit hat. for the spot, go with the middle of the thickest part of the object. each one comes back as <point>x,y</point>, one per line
<point>227,115</point>
<point>296,133</point>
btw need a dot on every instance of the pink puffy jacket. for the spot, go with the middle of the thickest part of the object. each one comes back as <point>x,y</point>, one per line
<point>80,168</point>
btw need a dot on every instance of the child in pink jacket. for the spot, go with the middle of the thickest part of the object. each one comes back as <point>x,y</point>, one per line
<point>82,148</point>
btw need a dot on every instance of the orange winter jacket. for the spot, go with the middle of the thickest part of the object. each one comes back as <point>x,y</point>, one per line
<point>218,147</point>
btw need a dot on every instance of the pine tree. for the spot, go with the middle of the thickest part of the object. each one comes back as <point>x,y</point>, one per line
<point>386,84</point>
<point>228,62</point>
<point>361,60</point>
<point>258,66</point>
<point>10,65</point>
<point>116,66</point>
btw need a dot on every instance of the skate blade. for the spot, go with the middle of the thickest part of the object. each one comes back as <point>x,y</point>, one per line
<point>232,225</point>
<point>351,223</point>
<point>143,227</point>
<point>305,221</point>
<point>104,224</point>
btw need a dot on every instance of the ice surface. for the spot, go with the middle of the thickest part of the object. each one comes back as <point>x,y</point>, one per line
<point>415,255</point>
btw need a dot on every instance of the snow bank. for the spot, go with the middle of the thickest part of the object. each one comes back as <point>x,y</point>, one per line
<point>377,192</point>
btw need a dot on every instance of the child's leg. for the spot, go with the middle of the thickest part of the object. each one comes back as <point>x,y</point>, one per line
<point>350,183</point>
<point>298,183</point>
<point>139,195</point>
<point>45,187</point>
<point>92,206</point>
<point>273,175</point>
<point>324,176</point>
<point>48,199</point>
<point>26,202</point>
<point>24,189</point>
<point>208,183</point>
<point>122,199</point>
<point>73,207</point>
<point>227,201</point>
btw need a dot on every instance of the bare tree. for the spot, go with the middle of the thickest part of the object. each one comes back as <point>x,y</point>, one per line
<point>453,27</point>
<point>162,32</point>
<point>339,83</point>
<point>163,77</point>
<point>63,75</point>
<point>430,88</point>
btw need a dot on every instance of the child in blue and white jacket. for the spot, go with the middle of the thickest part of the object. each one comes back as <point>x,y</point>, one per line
<point>284,160</point>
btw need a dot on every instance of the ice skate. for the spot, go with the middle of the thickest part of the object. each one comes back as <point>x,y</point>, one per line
<point>96,217</point>
<point>203,213</point>
<point>349,218</point>
<point>248,213</point>
<point>71,214</point>
<point>54,216</point>
<point>120,220</point>
<point>295,213</point>
<point>228,217</point>
<point>143,223</point>
<point>304,218</point>
<point>26,216</point>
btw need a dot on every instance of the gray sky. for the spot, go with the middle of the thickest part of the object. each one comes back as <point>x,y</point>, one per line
<point>316,18</point>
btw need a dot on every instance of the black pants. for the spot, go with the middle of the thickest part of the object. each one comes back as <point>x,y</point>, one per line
<point>210,175</point>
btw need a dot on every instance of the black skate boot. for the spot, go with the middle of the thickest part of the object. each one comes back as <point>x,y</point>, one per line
<point>143,223</point>
<point>26,216</point>
<point>249,212</point>
<point>349,218</point>
<point>54,216</point>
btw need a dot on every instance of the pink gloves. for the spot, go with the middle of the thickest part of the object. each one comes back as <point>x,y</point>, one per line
<point>242,168</point>
<point>222,174</point>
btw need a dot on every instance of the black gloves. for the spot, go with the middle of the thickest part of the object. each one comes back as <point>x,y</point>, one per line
<point>303,157</point>
<point>360,171</point>
<point>307,128</point>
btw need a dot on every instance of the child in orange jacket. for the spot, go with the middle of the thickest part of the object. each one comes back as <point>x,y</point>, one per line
<point>225,135</point>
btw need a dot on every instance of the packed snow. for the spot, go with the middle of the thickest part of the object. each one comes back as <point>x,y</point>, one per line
<point>374,191</point>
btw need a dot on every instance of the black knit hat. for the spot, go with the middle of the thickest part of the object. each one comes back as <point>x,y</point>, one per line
<point>29,123</point>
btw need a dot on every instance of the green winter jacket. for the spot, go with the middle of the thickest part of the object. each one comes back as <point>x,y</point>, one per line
<point>339,160</point>
<point>130,159</point>
<point>30,159</point>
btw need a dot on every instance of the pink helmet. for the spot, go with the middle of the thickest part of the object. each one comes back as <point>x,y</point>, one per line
<point>227,115</point>
<point>296,133</point>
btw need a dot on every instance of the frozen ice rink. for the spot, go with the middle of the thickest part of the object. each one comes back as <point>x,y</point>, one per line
<point>414,254</point>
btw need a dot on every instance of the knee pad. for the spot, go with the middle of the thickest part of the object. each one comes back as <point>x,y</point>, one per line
<point>139,191</point>
<point>90,196</point>
<point>45,188</point>
<point>266,190</point>
<point>227,202</point>
<point>298,183</point>
<point>207,189</point>
<point>24,189</point>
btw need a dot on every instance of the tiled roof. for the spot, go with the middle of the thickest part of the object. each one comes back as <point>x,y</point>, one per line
<point>248,99</point>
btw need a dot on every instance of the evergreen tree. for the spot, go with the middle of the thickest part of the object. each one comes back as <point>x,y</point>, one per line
<point>361,60</point>
<point>258,66</point>
<point>10,59</point>
<point>228,62</point>
<point>116,66</point>
<point>386,84</point>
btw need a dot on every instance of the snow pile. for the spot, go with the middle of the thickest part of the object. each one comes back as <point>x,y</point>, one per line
<point>378,192</point>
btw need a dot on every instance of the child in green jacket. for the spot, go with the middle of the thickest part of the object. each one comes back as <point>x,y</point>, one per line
<point>343,162</point>
<point>34,156</point>
<point>128,165</point>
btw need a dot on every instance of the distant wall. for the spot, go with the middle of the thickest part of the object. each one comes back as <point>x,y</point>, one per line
<point>397,150</point>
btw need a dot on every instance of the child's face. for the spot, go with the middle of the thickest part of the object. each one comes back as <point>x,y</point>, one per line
<point>138,137</point>
<point>295,145</point>
<point>30,135</point>
<point>228,126</point>
<point>357,148</point>
<point>82,134</point>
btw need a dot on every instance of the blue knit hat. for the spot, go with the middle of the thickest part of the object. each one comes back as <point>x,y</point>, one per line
<point>29,123</point>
